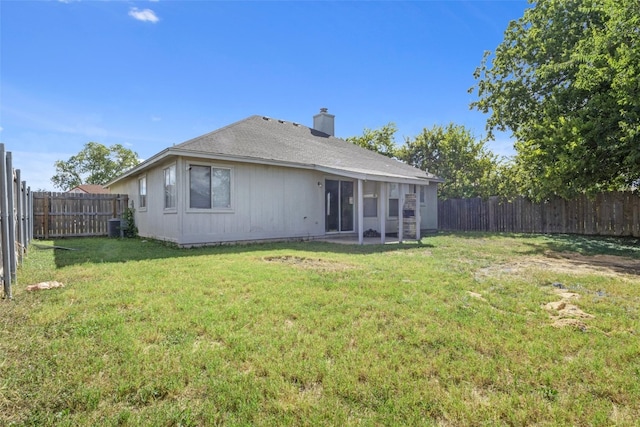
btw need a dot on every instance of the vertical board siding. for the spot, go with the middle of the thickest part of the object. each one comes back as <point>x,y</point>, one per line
<point>75,214</point>
<point>608,214</point>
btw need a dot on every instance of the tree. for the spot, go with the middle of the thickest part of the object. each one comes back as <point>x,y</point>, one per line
<point>564,81</point>
<point>94,164</point>
<point>468,168</point>
<point>378,140</point>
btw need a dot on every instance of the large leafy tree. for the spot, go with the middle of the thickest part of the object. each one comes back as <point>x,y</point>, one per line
<point>565,82</point>
<point>451,152</point>
<point>378,140</point>
<point>94,164</point>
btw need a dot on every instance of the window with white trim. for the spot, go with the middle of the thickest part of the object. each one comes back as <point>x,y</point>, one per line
<point>142,192</point>
<point>170,187</point>
<point>370,200</point>
<point>394,200</point>
<point>209,187</point>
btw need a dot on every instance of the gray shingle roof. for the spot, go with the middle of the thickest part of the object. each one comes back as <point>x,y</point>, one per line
<point>263,138</point>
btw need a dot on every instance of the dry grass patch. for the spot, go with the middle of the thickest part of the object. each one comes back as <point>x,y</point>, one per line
<point>566,263</point>
<point>564,312</point>
<point>317,264</point>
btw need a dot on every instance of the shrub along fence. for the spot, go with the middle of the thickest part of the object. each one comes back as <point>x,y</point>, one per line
<point>608,214</point>
<point>15,220</point>
<point>75,214</point>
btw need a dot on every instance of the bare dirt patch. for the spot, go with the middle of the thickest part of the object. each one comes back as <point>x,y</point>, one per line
<point>405,253</point>
<point>309,263</point>
<point>564,309</point>
<point>564,322</point>
<point>45,285</point>
<point>567,263</point>
<point>609,263</point>
<point>565,312</point>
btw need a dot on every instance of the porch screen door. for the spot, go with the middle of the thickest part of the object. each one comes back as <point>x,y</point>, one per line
<point>338,205</point>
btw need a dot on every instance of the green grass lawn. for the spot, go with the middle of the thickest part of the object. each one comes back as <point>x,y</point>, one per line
<point>451,331</point>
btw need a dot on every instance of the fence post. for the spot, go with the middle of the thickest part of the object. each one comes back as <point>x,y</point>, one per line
<point>4,222</point>
<point>25,212</point>
<point>19,246</point>
<point>31,217</point>
<point>12,218</point>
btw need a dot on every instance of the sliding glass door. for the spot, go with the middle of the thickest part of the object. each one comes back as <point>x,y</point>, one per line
<point>339,202</point>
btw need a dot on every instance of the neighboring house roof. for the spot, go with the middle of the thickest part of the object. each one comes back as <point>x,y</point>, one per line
<point>89,188</point>
<point>259,139</point>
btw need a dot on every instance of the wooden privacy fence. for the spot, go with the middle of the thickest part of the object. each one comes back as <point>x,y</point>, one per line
<point>608,214</point>
<point>15,220</point>
<point>75,214</point>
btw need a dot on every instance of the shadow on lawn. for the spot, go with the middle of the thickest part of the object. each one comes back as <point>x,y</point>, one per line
<point>594,245</point>
<point>584,245</point>
<point>101,249</point>
<point>616,254</point>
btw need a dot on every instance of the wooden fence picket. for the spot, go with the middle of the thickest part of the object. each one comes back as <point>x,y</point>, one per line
<point>75,214</point>
<point>608,214</point>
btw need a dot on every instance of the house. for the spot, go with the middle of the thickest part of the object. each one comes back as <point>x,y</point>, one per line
<point>263,178</point>
<point>89,189</point>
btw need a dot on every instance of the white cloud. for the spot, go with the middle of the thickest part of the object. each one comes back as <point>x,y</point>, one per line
<point>145,15</point>
<point>153,119</point>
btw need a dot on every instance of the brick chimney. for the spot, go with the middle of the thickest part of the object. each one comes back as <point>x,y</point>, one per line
<point>323,122</point>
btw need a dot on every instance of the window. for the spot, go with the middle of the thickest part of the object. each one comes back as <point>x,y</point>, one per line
<point>170,187</point>
<point>142,192</point>
<point>221,188</point>
<point>209,187</point>
<point>394,197</point>
<point>370,208</point>
<point>422,192</point>
<point>200,187</point>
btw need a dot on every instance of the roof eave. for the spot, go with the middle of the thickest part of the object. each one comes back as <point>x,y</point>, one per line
<point>336,171</point>
<point>142,166</point>
<point>373,176</point>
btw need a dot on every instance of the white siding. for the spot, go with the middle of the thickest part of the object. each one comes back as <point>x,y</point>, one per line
<point>429,209</point>
<point>268,202</point>
<point>152,221</point>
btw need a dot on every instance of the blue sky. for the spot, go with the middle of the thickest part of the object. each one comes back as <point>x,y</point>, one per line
<point>149,74</point>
